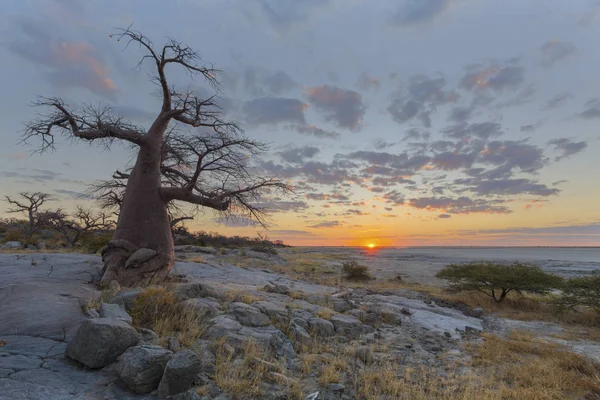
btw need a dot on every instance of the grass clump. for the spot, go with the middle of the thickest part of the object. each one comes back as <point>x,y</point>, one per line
<point>159,310</point>
<point>498,280</point>
<point>353,271</point>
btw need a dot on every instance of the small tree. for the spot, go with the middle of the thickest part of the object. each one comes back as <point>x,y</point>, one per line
<point>30,205</point>
<point>73,228</point>
<point>498,280</point>
<point>354,271</point>
<point>582,291</point>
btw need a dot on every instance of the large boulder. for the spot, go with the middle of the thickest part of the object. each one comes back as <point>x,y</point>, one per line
<point>12,245</point>
<point>321,327</point>
<point>140,256</point>
<point>114,311</point>
<point>142,367</point>
<point>205,307</point>
<point>248,315</point>
<point>181,373</point>
<point>100,341</point>
<point>345,324</point>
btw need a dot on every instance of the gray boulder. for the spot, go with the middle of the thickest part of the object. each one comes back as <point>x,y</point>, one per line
<point>41,245</point>
<point>321,327</point>
<point>299,334</point>
<point>147,336</point>
<point>12,245</point>
<point>126,298</point>
<point>205,307</point>
<point>142,367</point>
<point>194,290</point>
<point>99,342</point>
<point>345,324</point>
<point>248,315</point>
<point>279,289</point>
<point>222,325</point>
<point>114,311</point>
<point>139,256</point>
<point>181,373</point>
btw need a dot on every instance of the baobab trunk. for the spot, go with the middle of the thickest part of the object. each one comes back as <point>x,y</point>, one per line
<point>141,250</point>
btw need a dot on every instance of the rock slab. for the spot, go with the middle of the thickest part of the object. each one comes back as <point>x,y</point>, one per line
<point>142,367</point>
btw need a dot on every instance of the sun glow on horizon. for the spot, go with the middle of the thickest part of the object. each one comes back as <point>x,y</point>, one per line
<point>371,245</point>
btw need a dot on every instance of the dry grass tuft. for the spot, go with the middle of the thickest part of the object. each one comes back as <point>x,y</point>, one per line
<point>159,310</point>
<point>242,297</point>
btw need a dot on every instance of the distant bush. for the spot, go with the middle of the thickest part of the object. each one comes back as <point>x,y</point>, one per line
<point>93,242</point>
<point>582,291</point>
<point>498,280</point>
<point>354,271</point>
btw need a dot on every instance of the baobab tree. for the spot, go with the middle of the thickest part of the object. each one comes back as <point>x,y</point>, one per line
<point>30,205</point>
<point>190,153</point>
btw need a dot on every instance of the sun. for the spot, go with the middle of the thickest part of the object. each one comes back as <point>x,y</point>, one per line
<point>371,245</point>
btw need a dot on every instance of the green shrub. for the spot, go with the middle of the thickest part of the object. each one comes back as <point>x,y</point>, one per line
<point>93,242</point>
<point>581,291</point>
<point>354,271</point>
<point>265,249</point>
<point>498,280</point>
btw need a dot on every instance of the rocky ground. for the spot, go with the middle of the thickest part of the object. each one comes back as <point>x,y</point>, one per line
<point>62,338</point>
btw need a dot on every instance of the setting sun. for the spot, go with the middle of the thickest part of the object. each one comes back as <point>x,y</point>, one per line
<point>371,245</point>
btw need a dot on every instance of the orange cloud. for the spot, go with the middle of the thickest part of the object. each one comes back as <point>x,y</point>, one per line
<point>81,54</point>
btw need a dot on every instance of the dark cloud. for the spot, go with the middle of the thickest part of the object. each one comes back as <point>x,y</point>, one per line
<point>284,14</point>
<point>279,205</point>
<point>323,196</point>
<point>567,147</point>
<point>444,216</point>
<point>315,131</point>
<point>513,154</point>
<point>415,12</point>
<point>558,100</point>
<point>382,144</point>
<point>262,83</point>
<point>481,130</point>
<point>394,197</point>
<point>298,155</point>
<point>344,107</point>
<point>326,224</point>
<point>274,110</point>
<point>449,161</point>
<point>592,109</point>
<point>318,172</point>
<point>73,194</point>
<point>65,62</point>
<point>528,128</point>
<point>461,114</point>
<point>513,187</point>
<point>34,174</point>
<point>493,77</point>
<point>367,83</point>
<point>555,50</point>
<point>460,205</point>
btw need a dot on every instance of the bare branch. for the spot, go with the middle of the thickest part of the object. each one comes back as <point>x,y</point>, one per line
<point>30,206</point>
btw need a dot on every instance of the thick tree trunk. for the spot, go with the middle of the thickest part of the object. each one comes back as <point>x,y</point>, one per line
<point>141,250</point>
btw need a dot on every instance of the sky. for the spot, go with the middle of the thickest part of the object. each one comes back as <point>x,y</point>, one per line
<point>398,122</point>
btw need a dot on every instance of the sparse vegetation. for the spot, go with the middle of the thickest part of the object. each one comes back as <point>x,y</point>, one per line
<point>498,280</point>
<point>580,292</point>
<point>353,271</point>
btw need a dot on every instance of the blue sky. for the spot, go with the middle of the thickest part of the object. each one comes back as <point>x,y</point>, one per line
<point>400,122</point>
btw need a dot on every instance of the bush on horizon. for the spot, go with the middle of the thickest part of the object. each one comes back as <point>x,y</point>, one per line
<point>353,271</point>
<point>498,280</point>
<point>581,291</point>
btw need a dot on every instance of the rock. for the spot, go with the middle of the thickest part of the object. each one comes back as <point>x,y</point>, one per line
<point>4,372</point>
<point>357,313</point>
<point>188,395</point>
<point>98,342</point>
<point>266,336</point>
<point>45,378</point>
<point>173,344</point>
<point>196,249</point>
<point>273,310</point>
<point>341,305</point>
<point>472,330</point>
<point>126,298</point>
<point>248,315</point>
<point>364,354</point>
<point>32,346</point>
<point>477,312</point>
<point>15,390</point>
<point>299,334</point>
<point>345,324</point>
<point>142,367</point>
<point>92,313</point>
<point>279,289</point>
<point>114,311</point>
<point>222,325</point>
<point>30,247</point>
<point>194,290</point>
<point>41,245</point>
<point>301,322</point>
<point>147,336</point>
<point>204,349</point>
<point>140,256</point>
<point>321,327</point>
<point>205,307</point>
<point>180,373</point>
<point>114,286</point>
<point>41,309</point>
<point>405,311</point>
<point>336,387</point>
<point>11,245</point>
<point>19,362</point>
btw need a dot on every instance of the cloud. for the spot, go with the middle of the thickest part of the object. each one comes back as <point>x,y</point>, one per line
<point>67,63</point>
<point>415,12</point>
<point>592,109</point>
<point>367,83</point>
<point>382,144</point>
<point>444,216</point>
<point>291,232</point>
<point>235,221</point>
<point>285,14</point>
<point>73,194</point>
<point>460,205</point>
<point>298,155</point>
<point>274,110</point>
<point>315,131</point>
<point>448,161</point>
<point>279,205</point>
<point>588,229</point>
<point>481,130</point>
<point>326,224</point>
<point>567,147</point>
<point>513,154</point>
<point>494,77</point>
<point>554,51</point>
<point>558,100</point>
<point>37,175</point>
<point>323,196</point>
<point>344,107</point>
<point>507,187</point>
<point>261,83</point>
<point>421,98</point>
